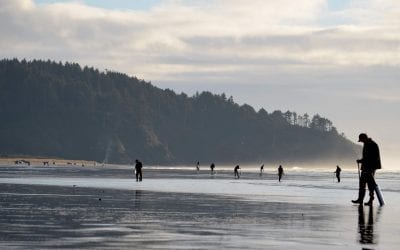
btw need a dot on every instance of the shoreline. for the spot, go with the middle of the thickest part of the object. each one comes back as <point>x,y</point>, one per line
<point>37,160</point>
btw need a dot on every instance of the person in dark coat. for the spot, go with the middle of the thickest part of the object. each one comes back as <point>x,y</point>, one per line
<point>280,172</point>
<point>261,169</point>
<point>212,168</point>
<point>236,171</point>
<point>337,171</point>
<point>370,162</point>
<point>138,169</point>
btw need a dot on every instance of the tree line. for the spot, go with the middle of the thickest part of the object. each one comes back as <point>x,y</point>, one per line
<point>59,109</point>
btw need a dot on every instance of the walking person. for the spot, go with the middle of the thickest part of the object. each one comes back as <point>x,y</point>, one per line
<point>236,171</point>
<point>198,166</point>
<point>370,162</point>
<point>138,168</point>
<point>337,171</point>
<point>212,168</point>
<point>261,169</point>
<point>280,172</point>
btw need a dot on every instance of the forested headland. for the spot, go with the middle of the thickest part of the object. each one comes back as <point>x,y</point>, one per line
<point>64,110</point>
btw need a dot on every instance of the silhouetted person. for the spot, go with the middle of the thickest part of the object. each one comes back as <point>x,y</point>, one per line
<point>261,169</point>
<point>198,166</point>
<point>366,230</point>
<point>236,171</point>
<point>212,168</point>
<point>337,171</point>
<point>370,162</point>
<point>280,172</point>
<point>138,169</point>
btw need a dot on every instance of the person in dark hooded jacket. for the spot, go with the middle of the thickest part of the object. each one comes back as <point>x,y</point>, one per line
<point>370,162</point>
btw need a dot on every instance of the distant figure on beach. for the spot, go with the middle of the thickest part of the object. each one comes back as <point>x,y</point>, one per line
<point>212,168</point>
<point>280,172</point>
<point>370,162</point>
<point>236,171</point>
<point>198,166</point>
<point>337,171</point>
<point>138,169</point>
<point>261,169</point>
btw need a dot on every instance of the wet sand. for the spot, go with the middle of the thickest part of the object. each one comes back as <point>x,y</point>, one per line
<point>82,208</point>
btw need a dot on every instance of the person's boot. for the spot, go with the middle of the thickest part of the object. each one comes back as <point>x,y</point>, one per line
<point>358,201</point>
<point>361,195</point>
<point>369,203</point>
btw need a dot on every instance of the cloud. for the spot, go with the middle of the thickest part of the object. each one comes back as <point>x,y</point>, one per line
<point>210,32</point>
<point>300,55</point>
<point>220,40</point>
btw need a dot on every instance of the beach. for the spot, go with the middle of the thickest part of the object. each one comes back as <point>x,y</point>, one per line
<point>47,207</point>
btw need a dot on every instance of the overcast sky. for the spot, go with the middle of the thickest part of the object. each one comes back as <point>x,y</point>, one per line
<point>338,58</point>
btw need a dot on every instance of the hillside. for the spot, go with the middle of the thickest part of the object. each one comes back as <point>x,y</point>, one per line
<point>63,110</point>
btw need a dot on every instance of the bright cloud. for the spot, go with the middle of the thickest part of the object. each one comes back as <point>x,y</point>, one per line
<point>231,31</point>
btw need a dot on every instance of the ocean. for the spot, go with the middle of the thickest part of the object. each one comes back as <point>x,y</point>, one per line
<point>74,207</point>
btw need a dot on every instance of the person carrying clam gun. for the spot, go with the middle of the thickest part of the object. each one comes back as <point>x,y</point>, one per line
<point>370,162</point>
<point>261,169</point>
<point>236,171</point>
<point>337,172</point>
<point>212,166</point>
<point>138,170</point>
<point>280,172</point>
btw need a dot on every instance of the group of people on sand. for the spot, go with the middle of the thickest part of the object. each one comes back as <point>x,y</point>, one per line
<point>237,173</point>
<point>367,166</point>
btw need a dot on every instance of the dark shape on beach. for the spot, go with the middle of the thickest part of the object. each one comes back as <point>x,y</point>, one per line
<point>366,230</point>
<point>261,169</point>
<point>138,170</point>
<point>370,162</point>
<point>280,172</point>
<point>73,112</point>
<point>236,171</point>
<point>212,166</point>
<point>137,198</point>
<point>337,172</point>
<point>198,166</point>
<point>22,162</point>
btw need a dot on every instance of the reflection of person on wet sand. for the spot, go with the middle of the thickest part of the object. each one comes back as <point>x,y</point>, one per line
<point>212,168</point>
<point>236,171</point>
<point>138,168</point>
<point>138,194</point>
<point>337,171</point>
<point>280,173</point>
<point>366,230</point>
